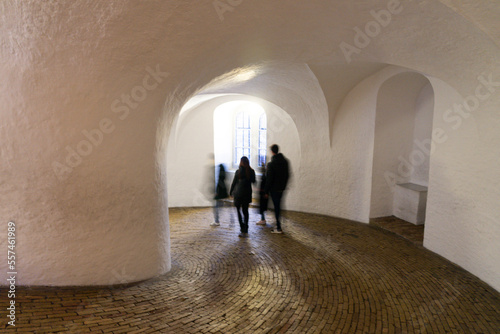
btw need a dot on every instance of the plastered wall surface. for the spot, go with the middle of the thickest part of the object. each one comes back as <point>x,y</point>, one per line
<point>190,169</point>
<point>101,217</point>
<point>422,136</point>
<point>461,221</point>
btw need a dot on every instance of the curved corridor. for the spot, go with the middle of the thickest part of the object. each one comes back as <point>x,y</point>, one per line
<point>324,275</point>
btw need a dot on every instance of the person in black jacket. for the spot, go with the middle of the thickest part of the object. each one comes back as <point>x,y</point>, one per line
<point>241,190</point>
<point>277,179</point>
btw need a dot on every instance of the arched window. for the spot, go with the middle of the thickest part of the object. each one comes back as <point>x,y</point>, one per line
<point>262,139</point>
<point>242,137</point>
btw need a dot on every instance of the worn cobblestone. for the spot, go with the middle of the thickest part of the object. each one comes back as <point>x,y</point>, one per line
<point>324,275</point>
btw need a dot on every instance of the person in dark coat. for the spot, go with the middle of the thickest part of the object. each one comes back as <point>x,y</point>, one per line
<point>263,199</point>
<point>277,179</point>
<point>241,190</point>
<point>220,193</point>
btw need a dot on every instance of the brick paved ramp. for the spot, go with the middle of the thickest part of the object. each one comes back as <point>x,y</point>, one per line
<point>325,275</point>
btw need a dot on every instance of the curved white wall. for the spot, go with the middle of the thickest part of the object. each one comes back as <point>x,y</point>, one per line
<point>82,183</point>
<point>188,165</point>
<point>462,219</point>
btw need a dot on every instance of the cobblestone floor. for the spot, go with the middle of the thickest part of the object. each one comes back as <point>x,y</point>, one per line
<point>324,275</point>
<point>409,231</point>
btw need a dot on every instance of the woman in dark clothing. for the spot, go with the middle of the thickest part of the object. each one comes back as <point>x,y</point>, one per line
<point>241,190</point>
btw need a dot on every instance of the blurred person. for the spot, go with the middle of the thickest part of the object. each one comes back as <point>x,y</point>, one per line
<point>263,199</point>
<point>208,181</point>
<point>220,193</point>
<point>241,190</point>
<point>277,179</point>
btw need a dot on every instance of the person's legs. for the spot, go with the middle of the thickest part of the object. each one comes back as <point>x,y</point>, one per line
<point>240,219</point>
<point>244,225</point>
<point>216,213</point>
<point>262,210</point>
<point>276,196</point>
<point>216,210</point>
<point>263,206</point>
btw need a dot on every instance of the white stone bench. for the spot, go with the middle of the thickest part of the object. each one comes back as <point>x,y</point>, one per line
<point>409,202</point>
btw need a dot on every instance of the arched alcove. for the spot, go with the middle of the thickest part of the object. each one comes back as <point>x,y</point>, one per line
<point>402,137</point>
<point>193,138</point>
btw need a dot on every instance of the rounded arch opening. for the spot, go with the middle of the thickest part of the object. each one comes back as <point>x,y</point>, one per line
<point>204,135</point>
<point>402,142</point>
